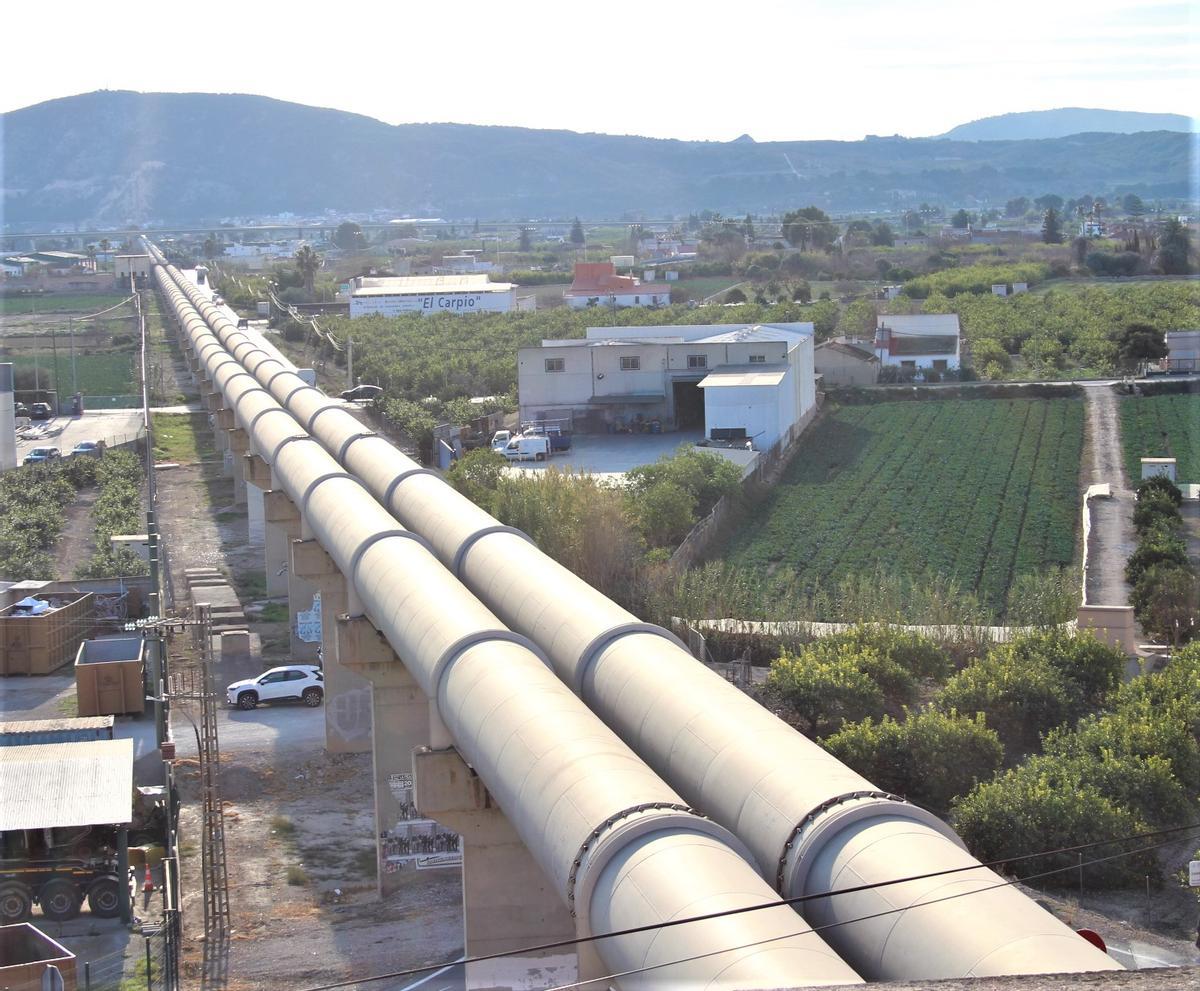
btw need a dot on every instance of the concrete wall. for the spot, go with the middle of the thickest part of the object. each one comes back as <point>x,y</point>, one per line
<point>841,369</point>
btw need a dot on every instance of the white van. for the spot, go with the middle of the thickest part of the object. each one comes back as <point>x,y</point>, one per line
<point>527,449</point>
<point>500,440</point>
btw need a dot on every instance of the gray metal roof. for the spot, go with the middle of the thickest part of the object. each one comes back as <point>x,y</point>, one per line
<point>921,324</point>
<point>66,784</point>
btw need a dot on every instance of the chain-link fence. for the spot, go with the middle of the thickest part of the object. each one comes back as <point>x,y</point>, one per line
<point>148,963</point>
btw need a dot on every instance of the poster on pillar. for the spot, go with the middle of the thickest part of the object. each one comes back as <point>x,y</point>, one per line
<point>413,841</point>
<point>308,622</point>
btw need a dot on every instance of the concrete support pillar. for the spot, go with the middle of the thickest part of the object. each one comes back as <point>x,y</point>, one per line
<point>347,694</point>
<point>239,445</point>
<point>255,518</point>
<point>507,901</point>
<point>399,722</point>
<point>304,610</point>
<point>281,526</point>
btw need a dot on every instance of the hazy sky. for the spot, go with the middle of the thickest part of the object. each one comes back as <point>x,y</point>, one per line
<point>682,68</point>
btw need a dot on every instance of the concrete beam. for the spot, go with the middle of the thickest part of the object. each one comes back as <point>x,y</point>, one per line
<point>213,401</point>
<point>279,509</point>
<point>507,901</point>
<point>256,471</point>
<point>226,419</point>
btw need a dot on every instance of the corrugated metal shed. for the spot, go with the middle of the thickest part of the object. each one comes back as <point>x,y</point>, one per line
<point>27,731</point>
<point>66,784</point>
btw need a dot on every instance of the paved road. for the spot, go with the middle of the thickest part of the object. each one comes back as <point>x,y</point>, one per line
<point>111,426</point>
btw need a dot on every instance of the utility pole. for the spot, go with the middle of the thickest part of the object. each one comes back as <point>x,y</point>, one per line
<point>74,377</point>
<point>349,362</point>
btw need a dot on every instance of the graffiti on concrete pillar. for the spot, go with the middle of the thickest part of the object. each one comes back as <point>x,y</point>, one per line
<point>348,713</point>
<point>308,622</point>
<point>414,842</point>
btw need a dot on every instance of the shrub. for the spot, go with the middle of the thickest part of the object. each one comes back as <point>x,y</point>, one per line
<point>1155,511</point>
<point>930,758</point>
<point>1042,805</point>
<point>1158,547</point>
<point>1091,669</point>
<point>824,692</point>
<point>1159,484</point>
<point>1021,697</point>
<point>1166,601</point>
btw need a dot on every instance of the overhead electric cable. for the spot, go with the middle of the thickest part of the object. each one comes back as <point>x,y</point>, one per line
<point>797,900</point>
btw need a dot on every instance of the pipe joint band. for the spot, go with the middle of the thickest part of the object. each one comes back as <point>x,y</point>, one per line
<point>606,639</point>
<point>250,392</point>
<point>463,644</point>
<point>367,544</point>
<point>287,440</point>
<point>274,375</point>
<point>461,554</point>
<point>312,486</point>
<point>395,484</point>
<point>286,400</point>
<point>341,454</point>
<point>313,419</point>
<point>832,816</point>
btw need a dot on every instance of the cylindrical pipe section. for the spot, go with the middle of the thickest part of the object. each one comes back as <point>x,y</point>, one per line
<point>583,803</point>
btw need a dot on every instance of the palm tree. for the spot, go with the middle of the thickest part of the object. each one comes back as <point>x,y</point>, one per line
<point>307,263</point>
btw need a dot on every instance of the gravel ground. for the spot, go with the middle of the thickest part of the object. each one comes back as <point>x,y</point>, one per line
<point>1112,538</point>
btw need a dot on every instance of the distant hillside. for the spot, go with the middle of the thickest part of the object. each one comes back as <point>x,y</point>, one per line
<point>1064,122</point>
<point>122,157</point>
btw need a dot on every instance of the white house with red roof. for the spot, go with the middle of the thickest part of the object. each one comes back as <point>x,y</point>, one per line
<point>597,284</point>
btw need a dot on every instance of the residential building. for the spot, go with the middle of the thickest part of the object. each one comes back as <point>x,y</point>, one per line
<point>930,340</point>
<point>752,381</point>
<point>840,363</point>
<point>597,284</point>
<point>391,297</point>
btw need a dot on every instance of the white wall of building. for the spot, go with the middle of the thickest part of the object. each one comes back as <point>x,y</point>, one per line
<point>645,296</point>
<point>447,302</point>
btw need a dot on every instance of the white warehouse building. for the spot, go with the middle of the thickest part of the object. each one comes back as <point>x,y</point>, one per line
<point>390,297</point>
<point>752,382</point>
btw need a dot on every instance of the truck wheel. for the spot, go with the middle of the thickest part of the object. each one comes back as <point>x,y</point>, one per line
<point>16,903</point>
<point>539,456</point>
<point>59,899</point>
<point>312,697</point>
<point>104,898</point>
<point>247,700</point>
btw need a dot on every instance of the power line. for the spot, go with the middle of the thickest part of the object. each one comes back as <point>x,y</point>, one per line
<point>862,918</point>
<point>796,900</point>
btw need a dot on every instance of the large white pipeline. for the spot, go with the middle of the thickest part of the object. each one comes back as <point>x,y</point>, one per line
<point>616,841</point>
<point>811,823</point>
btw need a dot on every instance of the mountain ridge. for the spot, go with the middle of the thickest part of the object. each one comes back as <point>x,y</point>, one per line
<point>1064,121</point>
<point>121,156</point>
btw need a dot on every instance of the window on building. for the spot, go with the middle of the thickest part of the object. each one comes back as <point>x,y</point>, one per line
<point>758,359</point>
<point>631,364</point>
<point>637,300</point>
<point>908,364</point>
<point>556,364</point>
<point>697,361</point>
<point>941,364</point>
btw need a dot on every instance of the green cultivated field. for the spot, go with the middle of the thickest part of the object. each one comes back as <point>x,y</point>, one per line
<point>976,490</point>
<point>65,303</point>
<point>1144,421</point>
<point>107,374</point>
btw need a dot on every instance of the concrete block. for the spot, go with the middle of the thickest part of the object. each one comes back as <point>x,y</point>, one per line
<point>235,645</point>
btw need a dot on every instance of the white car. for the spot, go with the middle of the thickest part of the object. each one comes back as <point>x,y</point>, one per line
<point>301,682</point>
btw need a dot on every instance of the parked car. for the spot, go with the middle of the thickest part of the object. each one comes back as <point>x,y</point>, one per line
<point>298,682</point>
<point>40,411</point>
<point>40,455</point>
<point>527,449</point>
<point>20,409</point>
<point>88,449</point>
<point>362,392</point>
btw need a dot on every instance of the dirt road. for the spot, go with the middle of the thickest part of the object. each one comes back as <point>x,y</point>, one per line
<point>1112,538</point>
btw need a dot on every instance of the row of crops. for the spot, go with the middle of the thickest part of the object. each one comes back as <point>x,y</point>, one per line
<point>979,491</point>
<point>1162,427</point>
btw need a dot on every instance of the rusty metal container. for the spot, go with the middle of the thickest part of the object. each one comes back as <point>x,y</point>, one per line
<point>26,952</point>
<point>43,643</point>
<point>109,676</point>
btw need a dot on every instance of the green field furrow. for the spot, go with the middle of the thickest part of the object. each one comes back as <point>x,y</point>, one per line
<point>1162,427</point>
<point>979,491</point>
